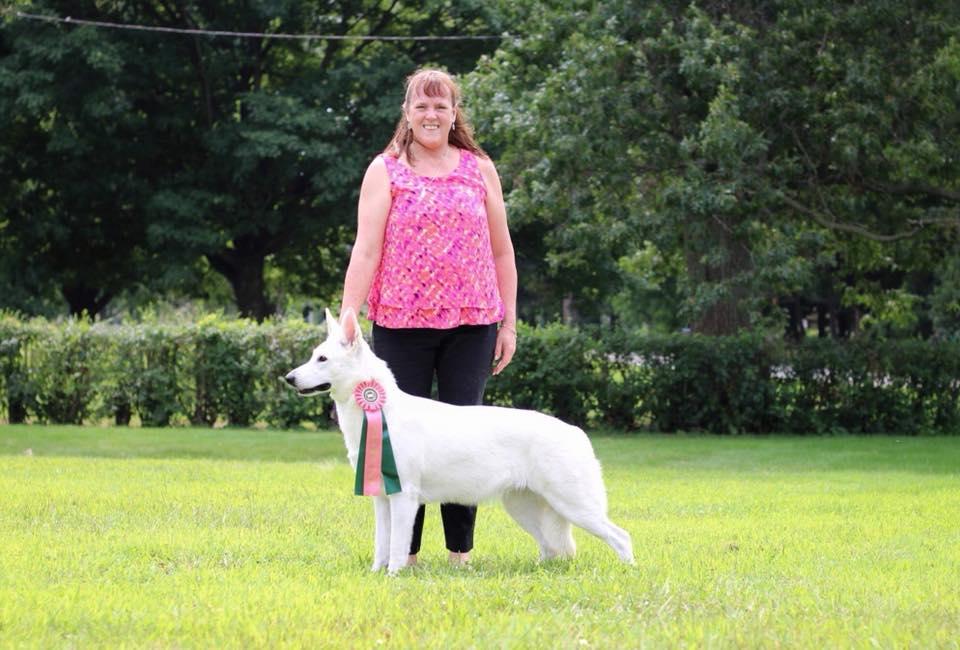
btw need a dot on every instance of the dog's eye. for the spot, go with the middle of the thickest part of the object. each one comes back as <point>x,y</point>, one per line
<point>321,359</point>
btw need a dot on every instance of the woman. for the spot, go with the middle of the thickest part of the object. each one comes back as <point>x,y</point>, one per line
<point>434,260</point>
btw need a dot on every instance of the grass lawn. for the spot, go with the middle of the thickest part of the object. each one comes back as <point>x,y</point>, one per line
<point>245,538</point>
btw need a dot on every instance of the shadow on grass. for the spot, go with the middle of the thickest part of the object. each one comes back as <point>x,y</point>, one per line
<point>497,567</point>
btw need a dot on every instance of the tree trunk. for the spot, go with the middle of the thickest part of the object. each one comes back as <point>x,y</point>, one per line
<point>242,266</point>
<point>16,410</point>
<point>569,310</point>
<point>727,315</point>
<point>85,300</point>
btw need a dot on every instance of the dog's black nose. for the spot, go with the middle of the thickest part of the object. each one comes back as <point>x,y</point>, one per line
<point>291,379</point>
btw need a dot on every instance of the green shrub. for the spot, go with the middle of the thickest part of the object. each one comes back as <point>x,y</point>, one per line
<point>237,368</point>
<point>699,383</point>
<point>930,374</point>
<point>224,370</point>
<point>552,372</point>
<point>61,370</point>
<point>117,371</point>
<point>285,345</point>
<point>741,384</point>
<point>624,382</point>
<point>225,364</point>
<point>17,391</point>
<point>158,395</point>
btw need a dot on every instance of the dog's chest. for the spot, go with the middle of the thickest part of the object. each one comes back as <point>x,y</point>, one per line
<point>350,421</point>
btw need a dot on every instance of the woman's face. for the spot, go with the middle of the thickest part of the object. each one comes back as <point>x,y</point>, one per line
<point>430,117</point>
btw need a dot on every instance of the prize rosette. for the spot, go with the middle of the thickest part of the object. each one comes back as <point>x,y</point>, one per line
<point>376,466</point>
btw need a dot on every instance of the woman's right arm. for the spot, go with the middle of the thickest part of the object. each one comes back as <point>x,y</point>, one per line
<point>372,211</point>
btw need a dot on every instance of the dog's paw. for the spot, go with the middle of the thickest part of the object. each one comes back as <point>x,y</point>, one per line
<point>377,566</point>
<point>394,570</point>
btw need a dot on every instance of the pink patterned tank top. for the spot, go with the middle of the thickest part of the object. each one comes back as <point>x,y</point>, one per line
<point>437,268</point>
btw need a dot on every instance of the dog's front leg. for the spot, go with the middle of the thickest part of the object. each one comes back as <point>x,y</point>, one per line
<point>403,510</point>
<point>381,533</point>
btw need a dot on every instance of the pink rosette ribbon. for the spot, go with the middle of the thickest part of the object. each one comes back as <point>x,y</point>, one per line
<point>376,466</point>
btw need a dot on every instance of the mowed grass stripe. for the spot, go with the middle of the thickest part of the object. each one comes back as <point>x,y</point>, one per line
<point>244,538</point>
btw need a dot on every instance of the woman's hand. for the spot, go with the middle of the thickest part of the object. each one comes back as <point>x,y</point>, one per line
<point>506,346</point>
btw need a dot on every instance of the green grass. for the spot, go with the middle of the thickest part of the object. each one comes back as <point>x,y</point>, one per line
<point>243,538</point>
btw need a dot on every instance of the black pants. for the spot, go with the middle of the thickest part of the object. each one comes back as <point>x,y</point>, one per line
<point>461,359</point>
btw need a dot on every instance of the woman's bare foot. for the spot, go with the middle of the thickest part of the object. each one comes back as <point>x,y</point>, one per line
<point>459,559</point>
<point>411,560</point>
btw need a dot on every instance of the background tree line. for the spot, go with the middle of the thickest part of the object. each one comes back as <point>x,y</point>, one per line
<point>137,163</point>
<point>783,165</point>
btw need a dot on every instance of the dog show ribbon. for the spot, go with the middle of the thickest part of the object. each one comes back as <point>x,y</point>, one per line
<point>376,466</point>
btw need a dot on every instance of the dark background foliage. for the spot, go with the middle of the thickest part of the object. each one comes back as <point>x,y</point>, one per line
<point>778,179</point>
<point>787,166</point>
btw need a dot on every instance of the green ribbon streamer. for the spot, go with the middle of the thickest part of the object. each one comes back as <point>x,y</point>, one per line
<point>388,466</point>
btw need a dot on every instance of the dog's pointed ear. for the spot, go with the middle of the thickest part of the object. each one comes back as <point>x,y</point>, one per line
<point>333,326</point>
<point>351,327</point>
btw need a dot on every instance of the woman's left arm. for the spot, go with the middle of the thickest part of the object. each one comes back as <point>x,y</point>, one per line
<point>505,263</point>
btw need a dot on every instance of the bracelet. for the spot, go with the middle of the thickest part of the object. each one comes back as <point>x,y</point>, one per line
<point>509,329</point>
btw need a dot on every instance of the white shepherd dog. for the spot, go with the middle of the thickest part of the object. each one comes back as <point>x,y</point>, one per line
<point>543,470</point>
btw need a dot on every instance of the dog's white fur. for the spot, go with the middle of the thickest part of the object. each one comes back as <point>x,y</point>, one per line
<point>544,470</point>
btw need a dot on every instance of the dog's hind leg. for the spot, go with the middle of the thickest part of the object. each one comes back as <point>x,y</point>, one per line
<point>381,533</point>
<point>527,508</point>
<point>592,518</point>
<point>559,534</point>
<point>403,510</point>
<point>535,516</point>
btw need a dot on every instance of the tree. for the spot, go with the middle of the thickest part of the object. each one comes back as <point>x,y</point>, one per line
<point>765,144</point>
<point>242,150</point>
<point>69,158</point>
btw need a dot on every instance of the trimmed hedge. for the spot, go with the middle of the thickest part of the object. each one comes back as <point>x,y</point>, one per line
<point>741,384</point>
<point>215,370</point>
<point>229,371</point>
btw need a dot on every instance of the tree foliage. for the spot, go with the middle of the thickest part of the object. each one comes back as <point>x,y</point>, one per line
<point>711,165</point>
<point>780,151</point>
<point>134,154</point>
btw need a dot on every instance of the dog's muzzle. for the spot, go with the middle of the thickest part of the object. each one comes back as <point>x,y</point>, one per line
<point>320,388</point>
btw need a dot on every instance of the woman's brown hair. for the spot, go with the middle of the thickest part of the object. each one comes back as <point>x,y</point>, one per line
<point>433,83</point>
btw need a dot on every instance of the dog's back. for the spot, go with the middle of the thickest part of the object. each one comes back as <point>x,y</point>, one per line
<point>470,454</point>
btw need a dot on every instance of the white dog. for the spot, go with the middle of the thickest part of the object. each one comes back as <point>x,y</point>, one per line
<point>543,469</point>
